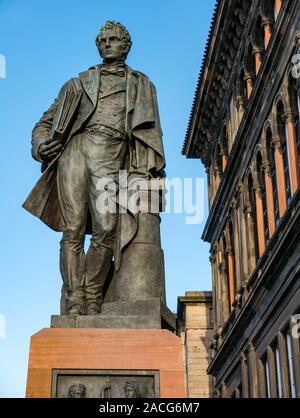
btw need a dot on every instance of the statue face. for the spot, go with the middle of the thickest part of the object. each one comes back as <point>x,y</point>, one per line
<point>77,394</point>
<point>130,392</point>
<point>76,391</point>
<point>111,47</point>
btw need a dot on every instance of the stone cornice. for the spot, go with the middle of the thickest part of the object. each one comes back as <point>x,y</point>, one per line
<point>226,32</point>
<point>193,297</point>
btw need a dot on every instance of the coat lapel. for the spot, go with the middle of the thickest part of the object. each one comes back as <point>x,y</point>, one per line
<point>90,80</point>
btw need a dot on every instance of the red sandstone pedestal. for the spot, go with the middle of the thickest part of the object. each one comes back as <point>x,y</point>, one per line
<point>105,349</point>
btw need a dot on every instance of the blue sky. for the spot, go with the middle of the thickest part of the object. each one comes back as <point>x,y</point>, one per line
<point>45,44</point>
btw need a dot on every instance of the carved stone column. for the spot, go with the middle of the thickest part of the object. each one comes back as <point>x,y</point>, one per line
<point>250,240</point>
<point>270,199</point>
<point>260,219</point>
<point>231,275</point>
<point>258,53</point>
<point>272,372</point>
<point>253,378</point>
<point>240,107</point>
<point>212,183</point>
<point>245,380</point>
<point>224,291</point>
<point>243,229</point>
<point>293,152</point>
<point>237,245</point>
<point>224,158</point>
<point>217,176</point>
<point>244,247</point>
<point>245,291</point>
<point>212,260</point>
<point>280,176</point>
<point>224,390</point>
<point>219,300</point>
<point>249,78</point>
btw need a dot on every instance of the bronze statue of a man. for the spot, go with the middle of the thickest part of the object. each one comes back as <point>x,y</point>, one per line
<point>103,121</point>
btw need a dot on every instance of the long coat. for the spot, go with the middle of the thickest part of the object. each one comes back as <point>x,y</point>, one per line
<point>145,156</point>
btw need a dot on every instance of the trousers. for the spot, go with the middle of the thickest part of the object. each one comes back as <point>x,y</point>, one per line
<point>88,158</point>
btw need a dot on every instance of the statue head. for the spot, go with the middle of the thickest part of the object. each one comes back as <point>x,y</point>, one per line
<point>113,42</point>
<point>77,391</point>
<point>135,389</point>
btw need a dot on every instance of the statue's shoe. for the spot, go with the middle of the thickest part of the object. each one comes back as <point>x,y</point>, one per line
<point>93,309</point>
<point>76,310</point>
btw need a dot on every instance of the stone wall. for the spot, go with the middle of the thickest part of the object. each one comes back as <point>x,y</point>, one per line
<point>195,328</point>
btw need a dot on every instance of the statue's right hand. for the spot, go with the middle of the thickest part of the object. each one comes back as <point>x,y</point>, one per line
<point>49,150</point>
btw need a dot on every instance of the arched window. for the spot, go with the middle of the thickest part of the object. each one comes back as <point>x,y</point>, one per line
<point>268,8</point>
<point>262,185</point>
<point>291,91</point>
<point>281,126</point>
<point>252,203</point>
<point>250,60</point>
<point>268,18</point>
<point>259,34</point>
<point>233,255</point>
<point>297,128</point>
<point>224,139</point>
<point>271,8</point>
<point>258,43</point>
<point>242,235</point>
<point>271,160</point>
<point>224,147</point>
<point>277,7</point>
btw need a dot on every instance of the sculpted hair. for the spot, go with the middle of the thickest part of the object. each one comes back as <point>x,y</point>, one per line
<point>124,35</point>
<point>76,386</point>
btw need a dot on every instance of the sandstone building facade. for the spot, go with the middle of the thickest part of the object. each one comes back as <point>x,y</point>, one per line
<point>245,128</point>
<point>195,329</point>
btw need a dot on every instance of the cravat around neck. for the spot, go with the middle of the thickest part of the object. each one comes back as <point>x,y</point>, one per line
<point>113,69</point>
